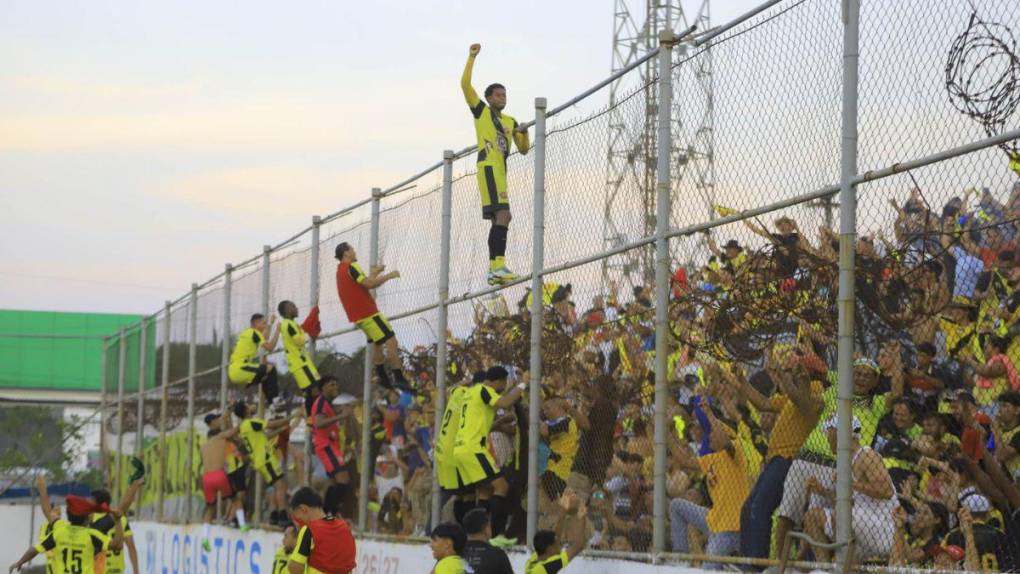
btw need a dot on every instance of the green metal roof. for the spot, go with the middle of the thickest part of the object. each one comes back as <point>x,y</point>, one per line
<point>63,351</point>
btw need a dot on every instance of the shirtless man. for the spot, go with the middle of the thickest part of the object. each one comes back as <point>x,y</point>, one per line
<point>214,475</point>
<point>874,500</point>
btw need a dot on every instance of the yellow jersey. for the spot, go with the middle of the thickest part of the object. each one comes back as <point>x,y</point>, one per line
<point>280,561</point>
<point>246,349</point>
<point>563,437</point>
<point>253,433</point>
<point>451,423</point>
<point>294,341</point>
<point>104,523</point>
<point>550,565</point>
<point>493,129</point>
<point>727,486</point>
<point>75,548</point>
<point>477,410</point>
<point>791,428</point>
<point>449,565</point>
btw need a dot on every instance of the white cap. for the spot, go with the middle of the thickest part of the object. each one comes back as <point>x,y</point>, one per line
<point>834,420</point>
<point>977,503</point>
<point>344,399</point>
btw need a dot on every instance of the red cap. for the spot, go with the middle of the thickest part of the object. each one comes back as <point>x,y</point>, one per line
<point>78,506</point>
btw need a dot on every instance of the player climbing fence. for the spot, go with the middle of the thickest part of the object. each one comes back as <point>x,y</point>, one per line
<point>687,373</point>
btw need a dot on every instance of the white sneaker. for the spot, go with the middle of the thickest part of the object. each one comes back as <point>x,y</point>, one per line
<point>502,276</point>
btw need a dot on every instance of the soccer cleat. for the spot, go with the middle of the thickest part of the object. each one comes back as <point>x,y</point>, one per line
<point>503,542</point>
<point>501,276</point>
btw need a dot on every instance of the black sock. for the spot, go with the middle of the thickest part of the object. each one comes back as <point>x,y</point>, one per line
<point>460,508</point>
<point>500,506</point>
<point>380,371</point>
<point>497,241</point>
<point>270,387</point>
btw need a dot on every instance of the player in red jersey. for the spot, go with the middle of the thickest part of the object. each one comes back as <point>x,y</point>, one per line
<point>353,285</point>
<point>325,438</point>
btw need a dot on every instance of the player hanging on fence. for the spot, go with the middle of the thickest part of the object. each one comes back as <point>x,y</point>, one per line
<point>248,364</point>
<point>215,481</point>
<point>254,433</point>
<point>476,466</point>
<point>326,439</point>
<point>446,465</point>
<point>295,340</point>
<point>494,130</point>
<point>352,286</point>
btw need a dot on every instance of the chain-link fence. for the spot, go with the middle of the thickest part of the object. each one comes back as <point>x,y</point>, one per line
<point>696,337</point>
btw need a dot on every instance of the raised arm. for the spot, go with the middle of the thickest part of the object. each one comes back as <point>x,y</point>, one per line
<point>117,541</point>
<point>44,497</point>
<point>270,343</point>
<point>470,95</point>
<point>129,496</point>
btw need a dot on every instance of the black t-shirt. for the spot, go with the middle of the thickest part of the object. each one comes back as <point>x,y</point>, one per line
<point>484,557</point>
<point>993,547</point>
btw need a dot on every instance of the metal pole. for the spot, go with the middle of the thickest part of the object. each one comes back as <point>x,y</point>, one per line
<point>267,250</point>
<point>535,366</point>
<point>104,367</point>
<point>847,242</point>
<point>161,479</point>
<point>444,292</point>
<point>226,343</point>
<point>662,210</point>
<point>314,291</point>
<point>192,364</point>
<point>121,371</point>
<point>142,360</point>
<point>366,417</point>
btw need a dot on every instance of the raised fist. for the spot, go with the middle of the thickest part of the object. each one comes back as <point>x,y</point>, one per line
<point>474,49</point>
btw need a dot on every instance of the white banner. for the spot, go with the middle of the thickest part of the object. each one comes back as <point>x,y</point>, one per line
<point>177,549</point>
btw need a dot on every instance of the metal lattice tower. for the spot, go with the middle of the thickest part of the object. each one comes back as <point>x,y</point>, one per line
<point>630,178</point>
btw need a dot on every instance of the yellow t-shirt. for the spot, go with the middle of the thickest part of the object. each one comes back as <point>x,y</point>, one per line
<point>451,422</point>
<point>476,413</point>
<point>103,522</point>
<point>792,427</point>
<point>51,564</point>
<point>728,487</point>
<point>280,560</point>
<point>246,350</point>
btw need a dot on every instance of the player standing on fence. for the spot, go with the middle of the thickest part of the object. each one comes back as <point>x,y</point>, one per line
<point>248,365</point>
<point>326,439</point>
<point>215,482</point>
<point>295,339</point>
<point>352,286</point>
<point>494,130</point>
<point>253,432</point>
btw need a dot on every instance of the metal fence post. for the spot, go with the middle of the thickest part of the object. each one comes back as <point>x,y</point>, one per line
<point>267,251</point>
<point>104,369</point>
<point>535,366</point>
<point>192,365</point>
<point>313,287</point>
<point>444,293</point>
<point>165,379</point>
<point>121,372</point>
<point>662,210</point>
<point>366,422</point>
<point>847,243</point>
<point>142,360</point>
<point>226,344</point>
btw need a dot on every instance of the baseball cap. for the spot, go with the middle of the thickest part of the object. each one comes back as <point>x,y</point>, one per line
<point>209,418</point>
<point>977,503</point>
<point>834,421</point>
<point>868,363</point>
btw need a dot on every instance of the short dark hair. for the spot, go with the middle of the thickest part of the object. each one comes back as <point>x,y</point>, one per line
<point>307,497</point>
<point>475,520</point>
<point>479,376</point>
<point>101,496</point>
<point>341,249</point>
<point>453,531</point>
<point>282,306</point>
<point>492,88</point>
<point>497,373</point>
<point>927,349</point>
<point>543,540</point>
<point>327,379</point>
<point>240,409</point>
<point>256,317</point>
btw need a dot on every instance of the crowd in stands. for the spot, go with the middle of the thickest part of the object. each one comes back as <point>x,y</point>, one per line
<point>752,377</point>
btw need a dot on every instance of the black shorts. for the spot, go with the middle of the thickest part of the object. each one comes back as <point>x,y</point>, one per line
<point>239,479</point>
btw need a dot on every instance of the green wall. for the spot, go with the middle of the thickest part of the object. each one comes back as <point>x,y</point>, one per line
<point>68,364</point>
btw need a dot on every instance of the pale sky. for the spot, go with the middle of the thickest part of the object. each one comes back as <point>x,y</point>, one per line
<point>144,145</point>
